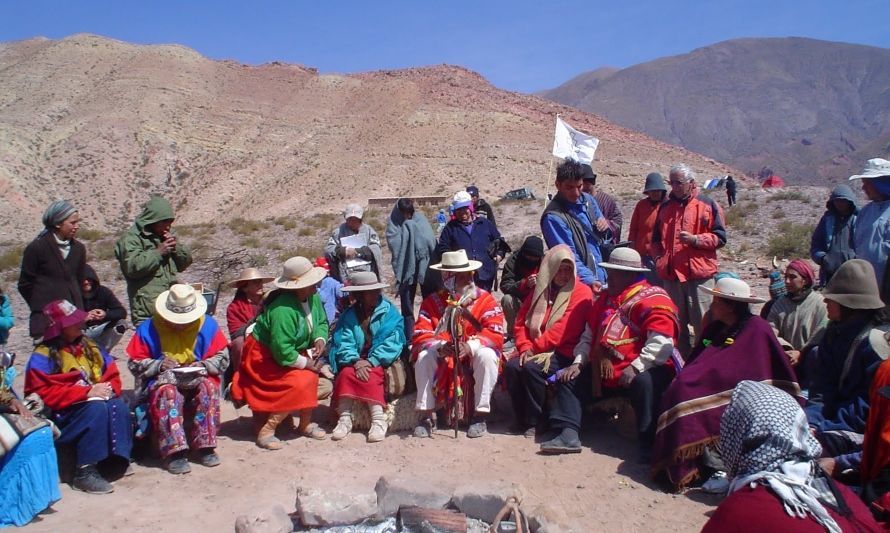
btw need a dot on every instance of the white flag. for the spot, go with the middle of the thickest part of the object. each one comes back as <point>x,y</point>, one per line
<point>569,143</point>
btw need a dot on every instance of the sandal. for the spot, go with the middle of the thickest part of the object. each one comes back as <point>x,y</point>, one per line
<point>313,431</point>
<point>270,443</point>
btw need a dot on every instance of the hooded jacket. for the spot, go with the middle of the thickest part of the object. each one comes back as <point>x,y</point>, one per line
<point>832,241</point>
<point>102,298</point>
<point>148,273</point>
<point>514,280</point>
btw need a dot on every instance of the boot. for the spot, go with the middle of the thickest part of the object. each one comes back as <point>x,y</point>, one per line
<point>378,424</point>
<point>87,479</point>
<point>266,437</point>
<point>344,426</point>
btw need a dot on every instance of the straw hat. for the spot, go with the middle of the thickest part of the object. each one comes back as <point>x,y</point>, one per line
<point>363,281</point>
<point>879,338</point>
<point>298,273</point>
<point>456,261</point>
<point>181,304</point>
<point>625,258</point>
<point>250,274</point>
<point>733,289</point>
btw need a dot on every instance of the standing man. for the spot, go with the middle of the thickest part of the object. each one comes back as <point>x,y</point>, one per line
<point>53,264</point>
<point>642,222</point>
<point>688,231</point>
<point>150,257</point>
<point>365,257</point>
<point>871,236</point>
<point>605,201</point>
<point>730,191</point>
<point>573,218</point>
<point>481,207</point>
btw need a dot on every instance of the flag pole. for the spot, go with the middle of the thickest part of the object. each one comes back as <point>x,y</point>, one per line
<point>547,179</point>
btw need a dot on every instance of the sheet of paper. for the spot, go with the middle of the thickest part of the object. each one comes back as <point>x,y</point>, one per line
<point>353,241</point>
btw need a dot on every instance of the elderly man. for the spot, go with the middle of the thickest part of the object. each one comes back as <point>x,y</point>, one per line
<point>636,327</point>
<point>354,246</point>
<point>150,257</point>
<point>688,231</point>
<point>573,218</point>
<point>606,202</point>
<point>871,236</point>
<point>481,342</point>
<point>53,264</point>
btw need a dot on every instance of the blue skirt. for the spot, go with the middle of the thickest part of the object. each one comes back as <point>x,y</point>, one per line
<point>29,479</point>
<point>97,430</point>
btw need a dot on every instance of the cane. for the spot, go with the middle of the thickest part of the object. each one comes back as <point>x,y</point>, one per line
<point>455,331</point>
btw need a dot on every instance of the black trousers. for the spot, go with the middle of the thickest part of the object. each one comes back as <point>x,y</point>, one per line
<point>645,396</point>
<point>530,392</point>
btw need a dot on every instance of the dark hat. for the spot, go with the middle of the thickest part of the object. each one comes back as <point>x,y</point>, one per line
<point>60,314</point>
<point>588,173</point>
<point>532,246</point>
<point>854,286</point>
<point>473,190</point>
<point>654,182</point>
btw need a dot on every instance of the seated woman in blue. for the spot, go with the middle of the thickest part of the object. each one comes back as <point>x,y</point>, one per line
<point>370,336</point>
<point>80,382</point>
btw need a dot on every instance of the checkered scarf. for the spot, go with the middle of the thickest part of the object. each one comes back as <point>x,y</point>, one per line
<point>765,438</point>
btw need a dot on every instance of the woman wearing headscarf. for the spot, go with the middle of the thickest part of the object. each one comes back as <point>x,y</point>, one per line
<point>736,345</point>
<point>280,361</point>
<point>799,317</point>
<point>548,327</point>
<point>777,486</point>
<point>80,382</point>
<point>832,241</point>
<point>53,264</point>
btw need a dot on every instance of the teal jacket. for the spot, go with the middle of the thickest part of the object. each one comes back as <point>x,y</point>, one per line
<point>388,337</point>
<point>6,318</point>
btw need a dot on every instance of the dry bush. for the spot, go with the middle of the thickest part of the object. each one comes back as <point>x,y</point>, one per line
<point>790,240</point>
<point>87,234</point>
<point>11,257</point>
<point>241,226</point>
<point>788,196</point>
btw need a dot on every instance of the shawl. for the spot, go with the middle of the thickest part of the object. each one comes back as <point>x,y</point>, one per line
<point>799,324</point>
<point>411,243</point>
<point>541,296</point>
<point>693,403</point>
<point>765,439</point>
<point>876,447</point>
<point>486,312</point>
<point>178,344</point>
<point>60,389</point>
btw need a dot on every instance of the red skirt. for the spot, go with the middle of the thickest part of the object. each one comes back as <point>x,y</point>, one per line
<point>347,385</point>
<point>269,387</point>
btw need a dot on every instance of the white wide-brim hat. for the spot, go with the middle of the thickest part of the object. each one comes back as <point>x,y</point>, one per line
<point>879,338</point>
<point>298,273</point>
<point>874,168</point>
<point>625,258</point>
<point>181,304</point>
<point>363,281</point>
<point>456,261</point>
<point>733,289</point>
<point>250,274</point>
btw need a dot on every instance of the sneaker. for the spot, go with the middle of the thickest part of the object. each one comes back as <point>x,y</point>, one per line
<point>718,483</point>
<point>343,429</point>
<point>560,445</point>
<point>209,458</point>
<point>477,429</point>
<point>87,479</point>
<point>178,464</point>
<point>377,432</point>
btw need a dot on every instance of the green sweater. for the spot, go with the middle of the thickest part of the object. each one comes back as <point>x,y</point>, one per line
<point>283,327</point>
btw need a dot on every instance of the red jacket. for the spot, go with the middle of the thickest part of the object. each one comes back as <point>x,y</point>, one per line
<point>564,334</point>
<point>642,223</point>
<point>60,390</point>
<point>485,310</point>
<point>240,312</point>
<point>698,215</point>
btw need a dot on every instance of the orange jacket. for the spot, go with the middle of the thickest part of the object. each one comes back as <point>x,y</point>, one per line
<point>698,215</point>
<point>642,222</point>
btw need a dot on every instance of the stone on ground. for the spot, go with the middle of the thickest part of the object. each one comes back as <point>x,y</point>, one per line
<point>275,520</point>
<point>394,492</point>
<point>334,507</point>
<point>484,501</point>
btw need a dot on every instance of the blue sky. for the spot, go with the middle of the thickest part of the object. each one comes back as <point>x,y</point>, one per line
<point>523,45</point>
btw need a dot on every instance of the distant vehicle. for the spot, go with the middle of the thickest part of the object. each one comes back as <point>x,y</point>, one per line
<point>525,193</point>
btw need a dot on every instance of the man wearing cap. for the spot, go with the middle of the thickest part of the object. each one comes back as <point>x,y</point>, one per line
<point>688,231</point>
<point>361,252</point>
<point>476,236</point>
<point>369,337</point>
<point>612,217</point>
<point>573,218</point>
<point>636,327</point>
<point>178,357</point>
<point>642,221</point>
<point>480,206</point>
<point>519,278</point>
<point>871,237</point>
<point>480,345</point>
<point>53,264</point>
<point>150,257</point>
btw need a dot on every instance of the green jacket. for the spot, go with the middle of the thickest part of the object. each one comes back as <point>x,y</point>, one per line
<point>148,273</point>
<point>283,328</point>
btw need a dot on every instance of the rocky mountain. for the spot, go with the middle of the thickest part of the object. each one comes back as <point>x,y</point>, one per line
<point>105,123</point>
<point>813,111</point>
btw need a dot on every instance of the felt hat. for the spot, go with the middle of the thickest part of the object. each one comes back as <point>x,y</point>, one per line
<point>854,286</point>
<point>874,168</point>
<point>60,314</point>
<point>181,304</point>
<point>353,211</point>
<point>298,273</point>
<point>732,289</point>
<point>624,258</point>
<point>456,261</point>
<point>250,274</point>
<point>363,281</point>
<point>654,182</point>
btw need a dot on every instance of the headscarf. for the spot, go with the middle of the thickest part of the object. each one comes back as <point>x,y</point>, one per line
<point>549,266</point>
<point>56,213</point>
<point>804,269</point>
<point>765,438</point>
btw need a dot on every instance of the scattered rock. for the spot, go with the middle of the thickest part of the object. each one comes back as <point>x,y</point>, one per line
<point>275,520</point>
<point>394,492</point>
<point>484,501</point>
<point>545,519</point>
<point>334,507</point>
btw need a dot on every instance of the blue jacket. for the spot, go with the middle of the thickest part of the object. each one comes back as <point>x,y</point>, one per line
<point>476,243</point>
<point>557,231</point>
<point>871,236</point>
<point>330,291</point>
<point>6,318</point>
<point>832,241</point>
<point>387,329</point>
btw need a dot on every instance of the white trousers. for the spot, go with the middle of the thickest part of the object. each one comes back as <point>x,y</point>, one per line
<point>485,373</point>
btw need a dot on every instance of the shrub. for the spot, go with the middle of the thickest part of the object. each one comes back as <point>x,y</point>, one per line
<point>103,251</point>
<point>241,226</point>
<point>788,195</point>
<point>287,223</point>
<point>87,234</point>
<point>790,240</point>
<point>738,216</point>
<point>11,258</point>
<point>251,242</point>
<point>305,251</point>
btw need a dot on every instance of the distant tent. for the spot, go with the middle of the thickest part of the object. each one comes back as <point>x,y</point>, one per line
<point>773,182</point>
<point>714,183</point>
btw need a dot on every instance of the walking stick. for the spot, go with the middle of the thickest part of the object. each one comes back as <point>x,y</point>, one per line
<point>454,330</point>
